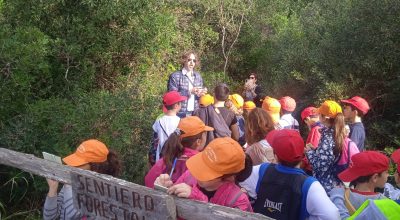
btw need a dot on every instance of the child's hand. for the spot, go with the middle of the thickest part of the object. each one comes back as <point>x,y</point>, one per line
<point>182,190</point>
<point>53,187</point>
<point>164,180</point>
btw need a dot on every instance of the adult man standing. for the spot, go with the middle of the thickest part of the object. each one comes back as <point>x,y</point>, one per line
<point>188,83</point>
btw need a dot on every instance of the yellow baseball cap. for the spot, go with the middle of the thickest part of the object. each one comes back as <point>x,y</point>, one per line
<point>329,109</point>
<point>237,100</point>
<point>273,107</point>
<point>206,100</point>
<point>249,105</point>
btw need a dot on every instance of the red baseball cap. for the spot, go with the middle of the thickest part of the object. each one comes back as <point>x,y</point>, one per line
<point>287,144</point>
<point>359,103</point>
<point>364,164</point>
<point>396,158</point>
<point>288,103</point>
<point>307,112</point>
<point>171,98</point>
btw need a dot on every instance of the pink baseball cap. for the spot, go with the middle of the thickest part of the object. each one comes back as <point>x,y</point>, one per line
<point>359,103</point>
<point>307,112</point>
<point>288,103</point>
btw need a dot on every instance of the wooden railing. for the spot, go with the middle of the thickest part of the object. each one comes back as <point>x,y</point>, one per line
<point>106,197</point>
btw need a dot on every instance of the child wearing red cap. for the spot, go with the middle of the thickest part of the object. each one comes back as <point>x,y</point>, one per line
<point>334,148</point>
<point>283,190</point>
<point>287,121</point>
<point>354,109</point>
<point>393,192</point>
<point>369,170</point>
<point>211,175</point>
<point>166,124</point>
<point>90,155</point>
<point>185,142</point>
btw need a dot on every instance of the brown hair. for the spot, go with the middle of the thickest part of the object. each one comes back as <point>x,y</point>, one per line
<point>174,147</point>
<point>112,166</point>
<point>257,125</point>
<point>185,56</point>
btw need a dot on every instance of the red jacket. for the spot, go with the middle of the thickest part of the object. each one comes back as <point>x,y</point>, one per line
<point>159,168</point>
<point>228,194</point>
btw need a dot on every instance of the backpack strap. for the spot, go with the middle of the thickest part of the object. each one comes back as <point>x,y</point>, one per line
<point>159,122</point>
<point>347,202</point>
<point>235,198</point>
<point>304,192</point>
<point>261,172</point>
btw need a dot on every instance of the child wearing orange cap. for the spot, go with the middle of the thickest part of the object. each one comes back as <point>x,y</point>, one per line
<point>287,121</point>
<point>186,141</point>
<point>273,108</point>
<point>393,192</point>
<point>334,146</point>
<point>211,175</point>
<point>369,170</point>
<point>90,155</point>
<point>283,190</point>
<point>247,107</point>
<point>354,109</point>
<point>258,125</point>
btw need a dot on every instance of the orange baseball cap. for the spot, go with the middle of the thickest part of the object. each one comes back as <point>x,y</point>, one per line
<point>249,105</point>
<point>273,107</point>
<point>237,100</point>
<point>287,103</point>
<point>206,100</point>
<point>330,109</point>
<point>221,156</point>
<point>192,125</point>
<point>90,151</point>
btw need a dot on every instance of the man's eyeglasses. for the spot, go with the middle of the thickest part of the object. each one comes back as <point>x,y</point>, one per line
<point>194,60</point>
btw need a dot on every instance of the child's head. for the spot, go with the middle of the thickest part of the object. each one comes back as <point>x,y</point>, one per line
<point>288,105</point>
<point>272,107</point>
<point>94,155</point>
<point>191,133</point>
<point>206,100</point>
<point>247,107</point>
<point>288,146</point>
<point>355,107</point>
<point>310,116</point>
<point>235,103</point>
<point>367,167</point>
<point>221,92</point>
<point>331,116</point>
<point>257,125</point>
<point>223,157</point>
<point>396,159</point>
<point>172,101</point>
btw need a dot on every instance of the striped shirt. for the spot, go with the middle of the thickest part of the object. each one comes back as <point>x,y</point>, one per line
<point>61,206</point>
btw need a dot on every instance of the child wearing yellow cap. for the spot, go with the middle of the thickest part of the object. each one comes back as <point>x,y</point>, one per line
<point>211,175</point>
<point>235,103</point>
<point>334,146</point>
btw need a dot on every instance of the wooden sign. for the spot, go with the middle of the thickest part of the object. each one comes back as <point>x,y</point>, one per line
<point>105,197</point>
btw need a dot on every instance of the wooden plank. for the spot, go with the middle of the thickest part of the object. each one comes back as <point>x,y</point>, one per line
<point>185,208</point>
<point>106,197</point>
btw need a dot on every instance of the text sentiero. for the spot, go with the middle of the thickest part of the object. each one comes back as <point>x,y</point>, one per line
<point>97,197</point>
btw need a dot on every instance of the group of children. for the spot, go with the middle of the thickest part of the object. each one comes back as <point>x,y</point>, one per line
<point>234,154</point>
<point>255,159</point>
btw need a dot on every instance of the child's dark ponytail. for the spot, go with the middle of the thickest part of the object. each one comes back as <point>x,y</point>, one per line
<point>246,172</point>
<point>112,166</point>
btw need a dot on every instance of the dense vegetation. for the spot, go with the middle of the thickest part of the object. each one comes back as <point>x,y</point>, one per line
<point>79,69</point>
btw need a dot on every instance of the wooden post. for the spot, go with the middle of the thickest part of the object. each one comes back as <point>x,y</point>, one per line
<point>115,197</point>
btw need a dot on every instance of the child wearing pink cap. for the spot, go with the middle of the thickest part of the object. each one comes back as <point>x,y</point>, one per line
<point>369,170</point>
<point>354,109</point>
<point>287,121</point>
